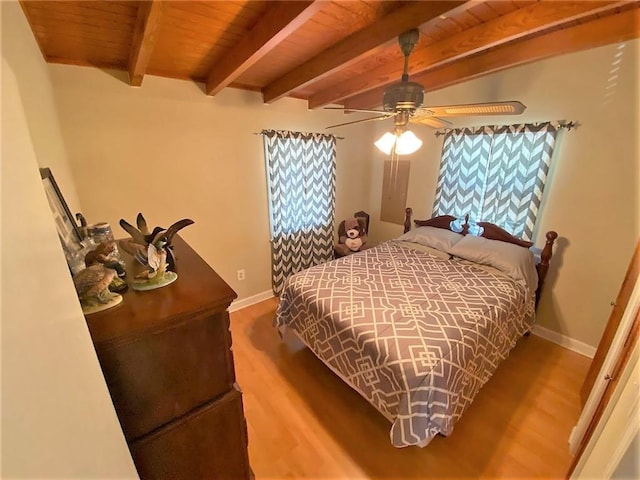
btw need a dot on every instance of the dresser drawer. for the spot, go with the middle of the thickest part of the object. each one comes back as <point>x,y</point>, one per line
<point>158,377</point>
<point>208,443</point>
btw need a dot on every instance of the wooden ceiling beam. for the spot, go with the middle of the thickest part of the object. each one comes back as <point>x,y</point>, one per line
<point>279,21</point>
<point>525,21</point>
<point>144,39</point>
<point>352,48</point>
<point>618,27</point>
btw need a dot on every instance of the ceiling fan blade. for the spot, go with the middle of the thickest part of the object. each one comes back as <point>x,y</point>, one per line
<point>473,109</point>
<point>381,117</point>
<point>348,110</point>
<point>430,121</point>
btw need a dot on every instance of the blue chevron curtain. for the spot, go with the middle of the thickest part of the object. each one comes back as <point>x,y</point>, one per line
<point>301,176</point>
<point>495,174</point>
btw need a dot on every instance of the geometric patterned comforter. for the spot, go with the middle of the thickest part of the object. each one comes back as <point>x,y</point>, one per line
<point>414,334</point>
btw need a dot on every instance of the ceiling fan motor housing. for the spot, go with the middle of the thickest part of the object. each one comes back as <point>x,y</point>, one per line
<point>403,96</point>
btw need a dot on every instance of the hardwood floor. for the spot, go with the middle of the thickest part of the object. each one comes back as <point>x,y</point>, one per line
<point>304,422</point>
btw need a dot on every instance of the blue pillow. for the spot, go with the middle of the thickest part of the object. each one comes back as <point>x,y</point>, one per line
<point>474,229</point>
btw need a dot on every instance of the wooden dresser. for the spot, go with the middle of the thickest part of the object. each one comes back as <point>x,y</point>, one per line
<point>167,360</point>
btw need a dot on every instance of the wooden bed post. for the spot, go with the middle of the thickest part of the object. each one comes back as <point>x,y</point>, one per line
<point>543,266</point>
<point>407,219</point>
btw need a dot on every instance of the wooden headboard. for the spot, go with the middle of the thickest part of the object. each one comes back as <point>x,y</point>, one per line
<point>492,232</point>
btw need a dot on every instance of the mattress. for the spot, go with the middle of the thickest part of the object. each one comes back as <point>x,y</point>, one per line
<point>417,334</point>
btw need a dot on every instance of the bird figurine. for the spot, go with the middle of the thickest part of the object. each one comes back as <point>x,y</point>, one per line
<point>92,286</point>
<point>153,250</point>
<point>105,254</point>
<point>155,259</point>
<point>83,225</point>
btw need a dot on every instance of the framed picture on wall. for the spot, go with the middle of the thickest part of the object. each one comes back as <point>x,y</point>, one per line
<point>68,230</point>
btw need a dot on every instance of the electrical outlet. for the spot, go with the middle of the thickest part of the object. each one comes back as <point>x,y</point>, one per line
<point>241,274</point>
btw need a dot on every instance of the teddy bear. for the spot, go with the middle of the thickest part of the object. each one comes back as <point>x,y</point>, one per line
<point>352,237</point>
<point>354,234</point>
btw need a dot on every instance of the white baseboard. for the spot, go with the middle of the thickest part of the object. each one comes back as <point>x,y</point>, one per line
<point>252,300</point>
<point>564,341</point>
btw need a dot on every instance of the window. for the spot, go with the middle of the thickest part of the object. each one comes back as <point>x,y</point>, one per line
<point>495,174</point>
<point>301,186</point>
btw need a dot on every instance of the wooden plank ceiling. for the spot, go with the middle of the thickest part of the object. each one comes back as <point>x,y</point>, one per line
<point>327,52</point>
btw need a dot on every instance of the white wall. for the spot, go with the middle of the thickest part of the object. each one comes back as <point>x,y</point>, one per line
<point>169,151</point>
<point>57,417</point>
<point>592,198</point>
<point>42,119</point>
<point>629,466</point>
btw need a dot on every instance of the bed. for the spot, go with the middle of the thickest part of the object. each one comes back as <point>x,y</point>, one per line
<point>417,325</point>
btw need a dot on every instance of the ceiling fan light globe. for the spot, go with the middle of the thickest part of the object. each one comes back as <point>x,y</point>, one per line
<point>385,143</point>
<point>407,143</point>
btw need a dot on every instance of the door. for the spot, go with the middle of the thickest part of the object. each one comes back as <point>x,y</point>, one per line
<point>610,330</point>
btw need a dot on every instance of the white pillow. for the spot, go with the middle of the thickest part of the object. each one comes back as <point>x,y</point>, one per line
<point>433,237</point>
<point>513,260</point>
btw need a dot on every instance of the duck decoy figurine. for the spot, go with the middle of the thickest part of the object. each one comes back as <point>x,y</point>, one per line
<point>152,249</point>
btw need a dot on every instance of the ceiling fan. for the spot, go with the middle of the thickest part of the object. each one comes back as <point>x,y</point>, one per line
<point>403,100</point>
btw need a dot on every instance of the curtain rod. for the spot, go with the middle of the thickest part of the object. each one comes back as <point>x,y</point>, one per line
<point>559,125</point>
<point>305,133</point>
